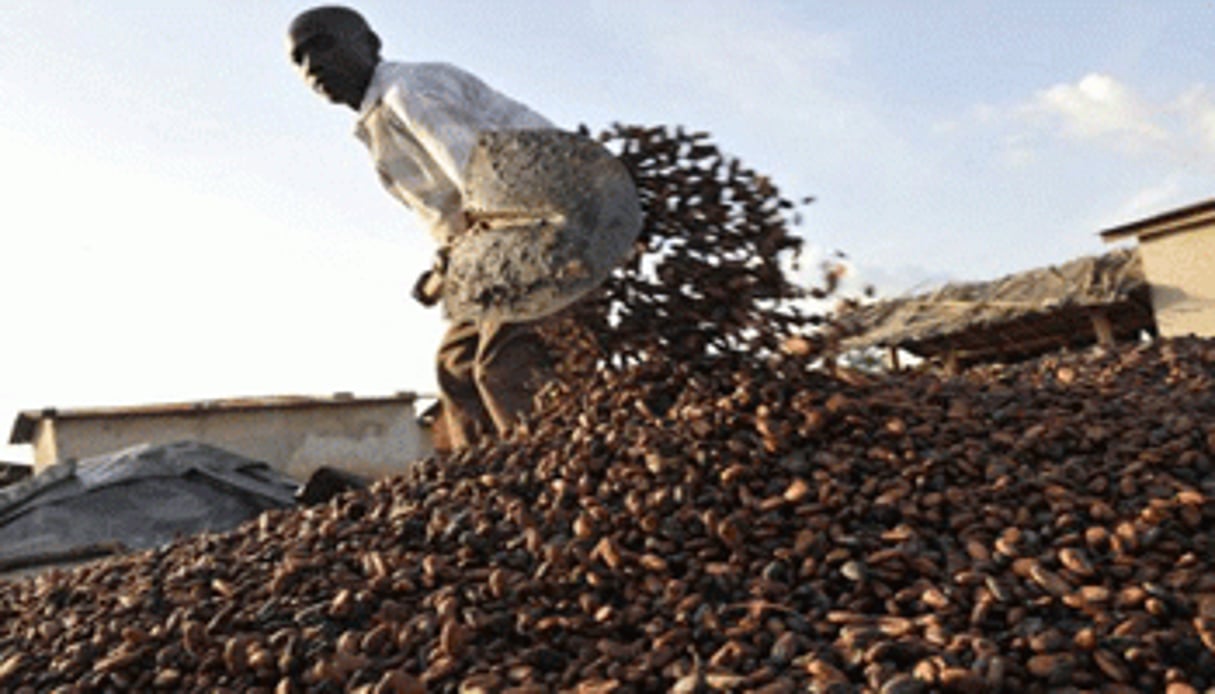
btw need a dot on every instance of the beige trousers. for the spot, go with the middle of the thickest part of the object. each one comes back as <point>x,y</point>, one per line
<point>488,373</point>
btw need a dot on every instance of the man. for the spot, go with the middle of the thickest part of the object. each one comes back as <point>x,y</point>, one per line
<point>421,123</point>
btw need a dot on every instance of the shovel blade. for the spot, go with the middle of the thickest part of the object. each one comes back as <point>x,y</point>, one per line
<point>551,214</point>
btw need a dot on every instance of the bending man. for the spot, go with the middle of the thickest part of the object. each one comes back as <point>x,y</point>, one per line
<point>421,122</point>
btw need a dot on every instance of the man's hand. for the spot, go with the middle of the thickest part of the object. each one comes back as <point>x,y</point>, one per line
<point>429,287</point>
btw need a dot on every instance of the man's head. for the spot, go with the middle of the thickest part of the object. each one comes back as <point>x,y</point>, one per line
<point>336,51</point>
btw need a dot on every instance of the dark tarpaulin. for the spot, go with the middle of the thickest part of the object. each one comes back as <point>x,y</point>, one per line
<point>133,499</point>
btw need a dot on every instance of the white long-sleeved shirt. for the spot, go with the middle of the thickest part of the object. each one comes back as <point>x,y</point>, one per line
<point>421,121</point>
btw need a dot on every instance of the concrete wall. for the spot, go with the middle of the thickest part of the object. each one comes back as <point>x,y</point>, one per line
<point>371,439</point>
<point>1181,269</point>
<point>46,450</point>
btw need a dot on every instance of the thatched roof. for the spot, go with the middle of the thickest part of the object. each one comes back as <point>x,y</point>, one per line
<point>1015,316</point>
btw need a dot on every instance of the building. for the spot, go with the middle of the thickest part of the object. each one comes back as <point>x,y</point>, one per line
<point>1091,300</point>
<point>295,435</point>
<point>1178,251</point>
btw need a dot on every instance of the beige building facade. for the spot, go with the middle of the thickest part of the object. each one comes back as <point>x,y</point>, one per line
<point>369,436</point>
<point>1178,252</point>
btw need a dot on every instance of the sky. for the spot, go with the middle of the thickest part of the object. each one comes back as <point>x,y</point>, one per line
<point>184,219</point>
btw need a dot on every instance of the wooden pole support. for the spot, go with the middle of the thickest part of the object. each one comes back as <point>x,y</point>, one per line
<point>1103,329</point>
<point>953,365</point>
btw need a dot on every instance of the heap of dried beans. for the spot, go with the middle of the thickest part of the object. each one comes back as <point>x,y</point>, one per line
<point>709,514</point>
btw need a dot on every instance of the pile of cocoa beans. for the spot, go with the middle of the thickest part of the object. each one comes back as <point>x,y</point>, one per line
<point>730,524</point>
<point>695,507</point>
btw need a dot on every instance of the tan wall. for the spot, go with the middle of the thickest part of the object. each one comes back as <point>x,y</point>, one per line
<point>44,443</point>
<point>372,439</point>
<point>1181,269</point>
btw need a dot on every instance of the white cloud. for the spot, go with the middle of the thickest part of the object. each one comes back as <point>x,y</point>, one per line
<point>1099,112</point>
<point>1099,107</point>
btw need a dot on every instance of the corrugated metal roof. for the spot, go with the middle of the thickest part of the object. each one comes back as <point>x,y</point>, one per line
<point>1020,314</point>
<point>27,420</point>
